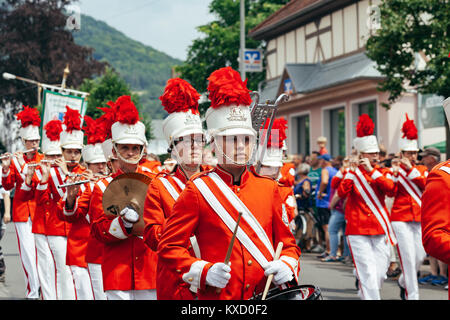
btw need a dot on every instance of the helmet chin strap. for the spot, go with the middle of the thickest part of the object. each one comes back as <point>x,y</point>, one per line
<point>119,156</point>
<point>232,160</point>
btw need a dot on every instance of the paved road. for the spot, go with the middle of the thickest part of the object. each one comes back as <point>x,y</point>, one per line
<point>335,280</point>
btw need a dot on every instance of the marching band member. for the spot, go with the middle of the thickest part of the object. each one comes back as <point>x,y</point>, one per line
<point>436,209</point>
<point>184,134</point>
<point>50,191</point>
<point>405,214</point>
<point>44,223</point>
<point>208,208</point>
<point>78,206</point>
<point>22,210</point>
<point>272,163</point>
<point>128,266</point>
<point>77,239</point>
<point>365,186</point>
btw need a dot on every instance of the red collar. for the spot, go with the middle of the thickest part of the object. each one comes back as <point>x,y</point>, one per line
<point>228,177</point>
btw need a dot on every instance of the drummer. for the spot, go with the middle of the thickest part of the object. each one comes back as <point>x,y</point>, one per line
<point>208,208</point>
<point>184,133</point>
<point>128,266</point>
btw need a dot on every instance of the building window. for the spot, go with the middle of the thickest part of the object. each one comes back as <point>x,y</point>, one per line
<point>300,134</point>
<point>334,130</point>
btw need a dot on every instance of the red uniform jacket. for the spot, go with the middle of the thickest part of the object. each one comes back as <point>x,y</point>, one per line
<point>360,219</point>
<point>287,173</point>
<point>21,209</point>
<point>128,264</point>
<point>436,213</point>
<point>78,237</point>
<point>405,207</point>
<point>192,214</point>
<point>158,207</point>
<point>289,206</point>
<point>153,166</point>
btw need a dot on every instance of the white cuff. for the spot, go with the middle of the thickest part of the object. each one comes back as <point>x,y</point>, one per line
<point>194,274</point>
<point>293,263</point>
<point>414,174</point>
<point>42,187</point>
<point>339,174</point>
<point>25,187</point>
<point>115,229</point>
<point>376,175</point>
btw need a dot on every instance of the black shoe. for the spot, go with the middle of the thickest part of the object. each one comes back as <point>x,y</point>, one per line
<point>357,284</point>
<point>402,292</point>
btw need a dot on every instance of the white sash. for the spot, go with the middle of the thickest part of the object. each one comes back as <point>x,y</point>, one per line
<point>169,187</point>
<point>230,222</point>
<point>375,206</point>
<point>410,187</point>
<point>56,181</point>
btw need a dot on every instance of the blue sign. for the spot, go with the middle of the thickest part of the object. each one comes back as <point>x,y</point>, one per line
<point>288,87</point>
<point>253,60</point>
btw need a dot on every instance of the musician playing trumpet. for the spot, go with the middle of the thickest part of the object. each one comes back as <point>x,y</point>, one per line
<point>368,230</point>
<point>209,207</point>
<point>23,211</point>
<point>410,182</point>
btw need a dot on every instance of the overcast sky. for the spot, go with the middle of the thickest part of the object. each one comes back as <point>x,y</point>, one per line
<point>166,25</point>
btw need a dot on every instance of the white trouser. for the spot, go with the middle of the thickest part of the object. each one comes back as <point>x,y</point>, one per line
<point>45,267</point>
<point>27,252</point>
<point>411,254</point>
<point>371,256</point>
<point>131,294</point>
<point>83,288</point>
<point>65,289</point>
<point>95,273</point>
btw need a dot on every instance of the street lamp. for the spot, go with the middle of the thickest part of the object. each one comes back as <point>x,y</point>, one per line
<point>9,76</point>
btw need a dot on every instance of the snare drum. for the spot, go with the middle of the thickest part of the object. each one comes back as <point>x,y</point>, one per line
<point>302,292</point>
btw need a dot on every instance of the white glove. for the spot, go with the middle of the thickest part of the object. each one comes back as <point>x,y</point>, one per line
<point>129,217</point>
<point>281,272</point>
<point>218,275</point>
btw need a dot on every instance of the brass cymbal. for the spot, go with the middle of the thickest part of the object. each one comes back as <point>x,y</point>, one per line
<point>127,189</point>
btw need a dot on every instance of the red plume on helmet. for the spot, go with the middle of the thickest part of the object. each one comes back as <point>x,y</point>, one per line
<point>94,130</point>
<point>409,129</point>
<point>126,110</point>
<point>225,87</point>
<point>53,129</point>
<point>365,126</point>
<point>108,118</point>
<point>277,134</point>
<point>29,117</point>
<point>72,120</point>
<point>179,96</point>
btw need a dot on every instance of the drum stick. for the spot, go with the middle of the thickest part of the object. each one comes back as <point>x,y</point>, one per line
<point>230,247</point>
<point>270,277</point>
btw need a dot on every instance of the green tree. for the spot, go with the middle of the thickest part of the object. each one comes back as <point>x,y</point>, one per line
<point>220,43</point>
<point>109,87</point>
<point>409,28</point>
<point>35,44</point>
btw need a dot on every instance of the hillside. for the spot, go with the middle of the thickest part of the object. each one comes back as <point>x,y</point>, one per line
<point>145,69</point>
